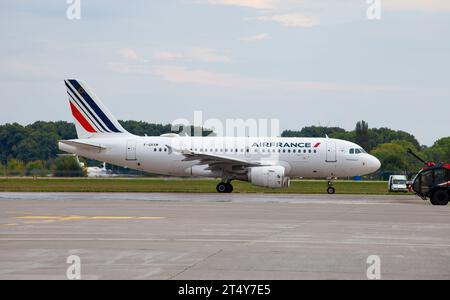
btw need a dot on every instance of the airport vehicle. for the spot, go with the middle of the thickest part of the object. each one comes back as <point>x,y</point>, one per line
<point>432,181</point>
<point>263,161</point>
<point>397,183</point>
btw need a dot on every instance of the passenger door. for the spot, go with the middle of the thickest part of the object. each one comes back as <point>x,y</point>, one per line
<point>331,152</point>
<point>131,150</point>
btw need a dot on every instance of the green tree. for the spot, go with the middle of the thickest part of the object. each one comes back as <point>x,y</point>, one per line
<point>362,134</point>
<point>439,152</point>
<point>36,168</point>
<point>378,136</point>
<point>394,157</point>
<point>313,131</point>
<point>10,136</point>
<point>68,166</point>
<point>15,168</point>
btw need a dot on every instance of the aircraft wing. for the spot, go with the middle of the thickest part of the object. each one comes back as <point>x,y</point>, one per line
<point>214,160</point>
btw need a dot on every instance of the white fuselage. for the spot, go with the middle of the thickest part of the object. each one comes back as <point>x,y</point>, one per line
<point>301,157</point>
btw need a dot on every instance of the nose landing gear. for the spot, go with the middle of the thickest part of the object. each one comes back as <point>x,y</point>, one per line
<point>331,190</point>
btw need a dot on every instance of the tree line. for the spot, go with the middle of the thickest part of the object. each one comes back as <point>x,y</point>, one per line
<point>33,149</point>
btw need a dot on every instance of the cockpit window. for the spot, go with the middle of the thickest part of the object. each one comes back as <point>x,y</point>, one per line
<point>357,151</point>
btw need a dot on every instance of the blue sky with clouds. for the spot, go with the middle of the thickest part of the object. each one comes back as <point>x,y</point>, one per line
<point>304,62</point>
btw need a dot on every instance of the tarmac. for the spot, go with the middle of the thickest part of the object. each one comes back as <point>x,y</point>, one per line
<point>222,236</point>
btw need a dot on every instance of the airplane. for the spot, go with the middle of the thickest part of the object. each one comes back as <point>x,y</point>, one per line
<point>92,171</point>
<point>263,161</point>
<point>99,171</point>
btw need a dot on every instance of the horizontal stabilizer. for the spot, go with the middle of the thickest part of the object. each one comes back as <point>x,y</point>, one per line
<point>87,146</point>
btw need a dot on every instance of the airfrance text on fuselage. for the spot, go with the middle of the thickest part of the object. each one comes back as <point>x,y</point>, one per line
<point>282,145</point>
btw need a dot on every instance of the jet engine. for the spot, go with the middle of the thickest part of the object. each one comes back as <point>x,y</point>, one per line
<point>271,177</point>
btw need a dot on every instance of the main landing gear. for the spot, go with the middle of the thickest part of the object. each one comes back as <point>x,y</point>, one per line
<point>224,187</point>
<point>330,190</point>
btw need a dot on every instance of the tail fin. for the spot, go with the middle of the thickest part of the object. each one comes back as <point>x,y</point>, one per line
<point>91,116</point>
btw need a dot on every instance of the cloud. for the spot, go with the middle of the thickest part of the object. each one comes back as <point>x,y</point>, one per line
<point>201,54</point>
<point>290,20</point>
<point>417,5</point>
<point>183,75</point>
<point>130,54</point>
<point>165,55</point>
<point>207,55</point>
<point>257,37</point>
<point>257,4</point>
<point>28,69</point>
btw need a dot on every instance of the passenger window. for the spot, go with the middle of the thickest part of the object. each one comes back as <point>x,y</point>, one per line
<point>358,151</point>
<point>352,151</point>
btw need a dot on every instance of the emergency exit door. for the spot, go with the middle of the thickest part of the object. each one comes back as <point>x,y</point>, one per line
<point>331,152</point>
<point>131,150</point>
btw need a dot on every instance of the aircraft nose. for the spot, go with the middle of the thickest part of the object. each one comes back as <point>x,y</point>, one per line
<point>373,164</point>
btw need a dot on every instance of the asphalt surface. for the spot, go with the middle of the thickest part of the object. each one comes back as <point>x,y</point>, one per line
<point>211,236</point>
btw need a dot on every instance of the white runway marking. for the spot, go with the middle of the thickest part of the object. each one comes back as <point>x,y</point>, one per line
<point>220,241</point>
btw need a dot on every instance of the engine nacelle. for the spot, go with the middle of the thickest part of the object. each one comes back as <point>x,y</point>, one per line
<point>272,177</point>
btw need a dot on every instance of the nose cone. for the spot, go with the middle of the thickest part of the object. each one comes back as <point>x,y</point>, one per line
<point>373,164</point>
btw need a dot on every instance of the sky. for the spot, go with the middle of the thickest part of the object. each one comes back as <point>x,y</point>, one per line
<point>305,62</point>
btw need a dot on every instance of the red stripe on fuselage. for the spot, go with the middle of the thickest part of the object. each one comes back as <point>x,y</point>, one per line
<point>79,117</point>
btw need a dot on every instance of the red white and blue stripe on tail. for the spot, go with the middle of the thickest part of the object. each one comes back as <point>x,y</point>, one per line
<point>91,115</point>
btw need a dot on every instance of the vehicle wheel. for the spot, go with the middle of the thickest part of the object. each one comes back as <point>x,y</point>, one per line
<point>440,197</point>
<point>331,190</point>
<point>222,187</point>
<point>229,188</point>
